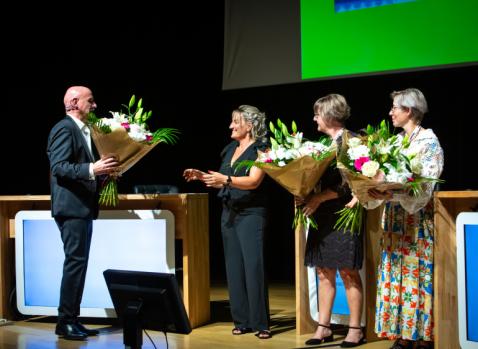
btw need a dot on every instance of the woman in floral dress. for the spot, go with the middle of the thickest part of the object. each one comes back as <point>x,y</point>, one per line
<point>405,273</point>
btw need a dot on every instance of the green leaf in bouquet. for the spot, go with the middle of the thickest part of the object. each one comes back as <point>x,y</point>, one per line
<point>166,135</point>
<point>95,121</point>
<point>274,144</point>
<point>415,186</point>
<point>272,127</point>
<point>285,131</point>
<point>278,136</point>
<point>131,101</point>
<point>248,164</point>
<point>279,123</point>
<point>350,219</point>
<point>109,193</point>
<point>147,115</point>
<point>294,127</point>
<point>140,104</point>
<point>406,141</point>
<point>138,116</point>
<point>301,219</point>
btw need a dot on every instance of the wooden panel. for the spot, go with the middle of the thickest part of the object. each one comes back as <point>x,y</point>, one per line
<point>373,234</point>
<point>195,257</point>
<point>304,321</point>
<point>447,206</point>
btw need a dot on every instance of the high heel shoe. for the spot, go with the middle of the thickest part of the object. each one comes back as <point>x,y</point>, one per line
<point>317,341</point>
<point>346,344</point>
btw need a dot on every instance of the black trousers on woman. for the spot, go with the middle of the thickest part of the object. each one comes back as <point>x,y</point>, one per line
<point>243,236</point>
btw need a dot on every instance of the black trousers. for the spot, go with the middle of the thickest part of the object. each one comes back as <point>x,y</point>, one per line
<point>243,236</point>
<point>76,236</point>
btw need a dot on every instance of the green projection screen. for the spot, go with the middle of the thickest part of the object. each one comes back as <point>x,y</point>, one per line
<point>387,37</point>
<point>274,42</point>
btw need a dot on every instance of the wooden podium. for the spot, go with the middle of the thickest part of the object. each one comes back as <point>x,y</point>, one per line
<point>448,204</point>
<point>191,214</point>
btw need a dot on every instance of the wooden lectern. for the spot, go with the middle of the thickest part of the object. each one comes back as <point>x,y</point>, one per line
<point>191,213</point>
<point>448,204</point>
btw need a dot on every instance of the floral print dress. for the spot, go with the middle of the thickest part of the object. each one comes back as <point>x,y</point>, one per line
<point>405,272</point>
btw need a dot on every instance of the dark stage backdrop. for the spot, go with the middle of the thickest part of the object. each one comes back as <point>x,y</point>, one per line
<point>173,59</point>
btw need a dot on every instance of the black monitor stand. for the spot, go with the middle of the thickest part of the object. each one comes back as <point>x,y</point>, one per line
<point>132,329</point>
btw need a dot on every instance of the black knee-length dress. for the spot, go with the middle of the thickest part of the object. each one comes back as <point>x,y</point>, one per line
<point>327,247</point>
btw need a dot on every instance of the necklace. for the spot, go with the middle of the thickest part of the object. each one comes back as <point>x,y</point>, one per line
<point>415,133</point>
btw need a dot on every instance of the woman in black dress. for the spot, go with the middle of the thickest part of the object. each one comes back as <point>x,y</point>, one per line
<point>243,220</point>
<point>327,249</point>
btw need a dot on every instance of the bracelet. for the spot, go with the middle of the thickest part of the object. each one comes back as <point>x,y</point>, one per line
<point>228,181</point>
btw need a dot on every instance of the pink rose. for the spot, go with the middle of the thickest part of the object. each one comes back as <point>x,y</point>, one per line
<point>358,163</point>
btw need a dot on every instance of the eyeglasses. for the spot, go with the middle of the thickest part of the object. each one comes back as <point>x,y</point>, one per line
<point>395,107</point>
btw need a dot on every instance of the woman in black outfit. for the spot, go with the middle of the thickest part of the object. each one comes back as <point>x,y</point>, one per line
<point>328,249</point>
<point>243,220</point>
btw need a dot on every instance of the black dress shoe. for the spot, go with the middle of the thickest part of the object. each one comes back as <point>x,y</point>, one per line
<point>70,331</point>
<point>89,332</point>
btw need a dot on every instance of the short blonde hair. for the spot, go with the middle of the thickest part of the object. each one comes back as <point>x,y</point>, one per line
<point>332,108</point>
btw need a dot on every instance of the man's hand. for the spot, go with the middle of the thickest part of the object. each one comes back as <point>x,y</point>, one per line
<point>106,165</point>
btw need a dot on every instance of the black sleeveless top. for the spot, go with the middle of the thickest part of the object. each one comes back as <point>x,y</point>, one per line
<point>238,199</point>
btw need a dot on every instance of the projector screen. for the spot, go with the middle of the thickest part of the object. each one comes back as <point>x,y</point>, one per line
<point>288,41</point>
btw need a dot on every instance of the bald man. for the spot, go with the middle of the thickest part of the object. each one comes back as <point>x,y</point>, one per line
<point>74,168</point>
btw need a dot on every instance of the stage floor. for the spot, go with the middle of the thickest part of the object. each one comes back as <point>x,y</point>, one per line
<point>38,333</point>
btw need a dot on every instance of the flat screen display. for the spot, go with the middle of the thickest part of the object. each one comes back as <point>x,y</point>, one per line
<point>141,240</point>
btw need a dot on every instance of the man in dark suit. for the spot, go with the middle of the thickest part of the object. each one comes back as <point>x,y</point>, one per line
<point>74,201</point>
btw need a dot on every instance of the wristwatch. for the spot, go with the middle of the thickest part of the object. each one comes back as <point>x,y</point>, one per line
<point>228,181</point>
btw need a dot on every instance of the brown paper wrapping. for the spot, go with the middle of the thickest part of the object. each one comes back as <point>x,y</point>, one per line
<point>360,184</point>
<point>299,176</point>
<point>119,144</point>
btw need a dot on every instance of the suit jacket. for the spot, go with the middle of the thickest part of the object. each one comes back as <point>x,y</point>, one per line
<point>73,193</point>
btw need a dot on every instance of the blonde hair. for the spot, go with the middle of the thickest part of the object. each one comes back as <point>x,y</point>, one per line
<point>256,118</point>
<point>333,108</point>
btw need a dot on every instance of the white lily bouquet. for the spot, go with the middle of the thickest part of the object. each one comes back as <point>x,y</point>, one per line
<point>379,161</point>
<point>295,163</point>
<point>127,137</point>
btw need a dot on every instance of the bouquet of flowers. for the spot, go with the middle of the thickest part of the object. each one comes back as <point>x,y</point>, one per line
<point>294,162</point>
<point>127,137</point>
<point>377,160</point>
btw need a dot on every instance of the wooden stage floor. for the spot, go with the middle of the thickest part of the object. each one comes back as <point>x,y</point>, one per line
<point>38,333</point>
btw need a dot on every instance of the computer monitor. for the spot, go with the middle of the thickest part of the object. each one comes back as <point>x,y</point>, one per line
<point>145,300</point>
<point>467,262</point>
<point>122,239</point>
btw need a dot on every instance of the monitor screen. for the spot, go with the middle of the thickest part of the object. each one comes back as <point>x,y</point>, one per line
<point>135,240</point>
<point>467,261</point>
<point>154,297</point>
